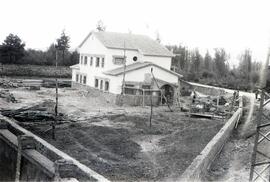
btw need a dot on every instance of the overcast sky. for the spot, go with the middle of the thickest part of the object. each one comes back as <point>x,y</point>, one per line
<point>206,24</point>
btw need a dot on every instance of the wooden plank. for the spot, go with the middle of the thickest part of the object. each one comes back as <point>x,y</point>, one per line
<point>89,172</point>
<point>40,160</point>
<point>201,115</point>
<point>32,155</point>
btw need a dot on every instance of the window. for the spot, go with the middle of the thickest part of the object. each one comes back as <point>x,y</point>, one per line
<point>77,78</point>
<point>84,79</point>
<point>118,60</point>
<point>102,62</point>
<point>96,83</point>
<point>146,86</point>
<point>107,84</point>
<point>97,62</point>
<point>101,84</point>
<point>91,61</point>
<point>80,78</point>
<point>85,60</point>
<point>135,58</point>
<point>129,85</point>
<point>81,60</point>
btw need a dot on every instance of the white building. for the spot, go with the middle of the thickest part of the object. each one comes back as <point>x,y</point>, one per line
<point>102,57</point>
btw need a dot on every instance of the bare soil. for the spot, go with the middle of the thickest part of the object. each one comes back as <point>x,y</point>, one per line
<point>233,163</point>
<point>118,142</point>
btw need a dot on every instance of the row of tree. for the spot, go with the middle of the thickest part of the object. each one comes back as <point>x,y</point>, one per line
<point>215,70</point>
<point>12,51</point>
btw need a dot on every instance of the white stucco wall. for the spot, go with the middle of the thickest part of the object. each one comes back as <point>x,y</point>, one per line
<point>139,75</point>
<point>164,62</point>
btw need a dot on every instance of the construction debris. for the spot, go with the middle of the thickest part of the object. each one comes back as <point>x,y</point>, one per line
<point>37,113</point>
<point>210,106</point>
<point>9,97</point>
<point>7,83</point>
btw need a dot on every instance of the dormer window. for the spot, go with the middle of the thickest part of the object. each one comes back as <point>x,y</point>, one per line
<point>118,60</point>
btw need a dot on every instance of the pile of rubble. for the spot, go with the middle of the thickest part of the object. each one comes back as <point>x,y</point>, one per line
<point>38,113</point>
<point>6,83</point>
<point>211,105</point>
<point>9,97</point>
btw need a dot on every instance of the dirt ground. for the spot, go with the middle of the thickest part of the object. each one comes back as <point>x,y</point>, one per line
<point>233,163</point>
<point>118,142</point>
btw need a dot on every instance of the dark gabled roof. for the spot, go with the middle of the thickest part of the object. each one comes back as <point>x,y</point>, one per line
<point>136,66</point>
<point>141,43</point>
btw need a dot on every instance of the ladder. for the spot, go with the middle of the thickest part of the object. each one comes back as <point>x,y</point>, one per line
<point>260,160</point>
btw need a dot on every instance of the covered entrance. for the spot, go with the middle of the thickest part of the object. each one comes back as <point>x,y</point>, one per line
<point>168,91</point>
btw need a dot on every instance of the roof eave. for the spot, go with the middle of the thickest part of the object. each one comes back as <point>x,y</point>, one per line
<point>150,64</point>
<point>155,55</point>
<point>85,39</point>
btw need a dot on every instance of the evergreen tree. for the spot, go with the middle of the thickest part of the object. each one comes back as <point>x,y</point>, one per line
<point>12,49</point>
<point>63,45</point>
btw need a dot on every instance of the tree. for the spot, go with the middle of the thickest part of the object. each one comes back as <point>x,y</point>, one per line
<point>63,44</point>
<point>220,60</point>
<point>12,49</point>
<point>74,57</point>
<point>100,26</point>
<point>208,62</point>
<point>195,61</point>
<point>245,64</point>
<point>181,59</point>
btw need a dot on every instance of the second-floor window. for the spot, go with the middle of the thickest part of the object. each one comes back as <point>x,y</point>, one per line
<point>118,60</point>
<point>91,61</point>
<point>81,60</point>
<point>85,60</point>
<point>102,62</point>
<point>97,61</point>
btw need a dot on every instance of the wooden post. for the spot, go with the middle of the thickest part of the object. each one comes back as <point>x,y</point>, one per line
<point>143,97</point>
<point>24,142</point>
<point>151,110</point>
<point>3,125</point>
<point>124,74</point>
<point>56,99</point>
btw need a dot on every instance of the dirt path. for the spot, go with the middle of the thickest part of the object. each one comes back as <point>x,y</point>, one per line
<point>233,163</point>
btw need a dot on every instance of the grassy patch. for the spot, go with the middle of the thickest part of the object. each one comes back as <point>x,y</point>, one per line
<point>35,71</point>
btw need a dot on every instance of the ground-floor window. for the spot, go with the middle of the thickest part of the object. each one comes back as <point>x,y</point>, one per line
<point>107,84</point>
<point>84,79</point>
<point>102,84</point>
<point>81,78</point>
<point>96,83</point>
